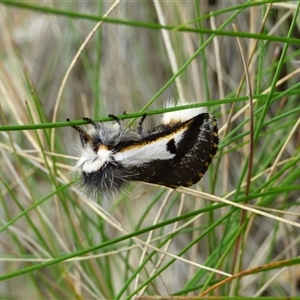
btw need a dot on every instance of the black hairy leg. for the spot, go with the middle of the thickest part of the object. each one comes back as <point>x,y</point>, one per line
<point>141,122</point>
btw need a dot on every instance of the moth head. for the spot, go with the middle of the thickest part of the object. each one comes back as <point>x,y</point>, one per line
<point>94,152</point>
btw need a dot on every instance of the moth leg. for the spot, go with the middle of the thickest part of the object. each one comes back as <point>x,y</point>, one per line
<point>140,126</point>
<point>92,122</point>
<point>84,136</point>
<point>116,119</point>
<point>119,123</point>
<point>89,120</point>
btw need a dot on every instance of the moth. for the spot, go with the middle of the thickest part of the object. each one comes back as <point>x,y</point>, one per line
<point>175,153</point>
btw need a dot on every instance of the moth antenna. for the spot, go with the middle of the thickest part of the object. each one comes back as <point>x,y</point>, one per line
<point>141,122</point>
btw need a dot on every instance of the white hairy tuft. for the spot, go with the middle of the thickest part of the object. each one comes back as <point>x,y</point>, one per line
<point>180,116</point>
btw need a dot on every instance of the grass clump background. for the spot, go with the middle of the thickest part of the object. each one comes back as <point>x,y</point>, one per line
<point>236,233</point>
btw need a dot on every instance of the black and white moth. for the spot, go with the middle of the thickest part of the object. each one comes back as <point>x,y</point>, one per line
<point>175,153</point>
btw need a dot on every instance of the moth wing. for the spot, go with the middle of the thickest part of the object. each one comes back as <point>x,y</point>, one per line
<point>153,147</point>
<point>178,156</point>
